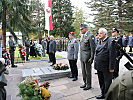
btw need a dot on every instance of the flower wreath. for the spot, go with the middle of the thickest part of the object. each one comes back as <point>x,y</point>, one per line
<point>5,55</point>
<point>22,51</point>
<point>60,66</point>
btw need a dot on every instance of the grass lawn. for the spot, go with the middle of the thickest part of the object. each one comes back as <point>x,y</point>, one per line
<point>18,58</point>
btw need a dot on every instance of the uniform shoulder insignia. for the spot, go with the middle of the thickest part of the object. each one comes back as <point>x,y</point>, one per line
<point>92,38</point>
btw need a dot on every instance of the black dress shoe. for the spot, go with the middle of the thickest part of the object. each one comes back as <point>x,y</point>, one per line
<point>14,66</point>
<point>51,64</point>
<point>83,86</point>
<point>87,88</point>
<point>75,79</point>
<point>100,97</point>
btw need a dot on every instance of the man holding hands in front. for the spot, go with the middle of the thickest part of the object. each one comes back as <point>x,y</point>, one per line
<point>104,62</point>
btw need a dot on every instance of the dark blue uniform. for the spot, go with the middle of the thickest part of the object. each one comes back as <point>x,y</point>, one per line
<point>130,43</point>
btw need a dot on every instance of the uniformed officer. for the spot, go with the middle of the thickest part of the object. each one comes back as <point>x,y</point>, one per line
<point>130,42</point>
<point>87,49</point>
<point>72,55</point>
<point>27,45</point>
<point>121,88</point>
<point>104,62</point>
<point>96,39</point>
<point>52,50</point>
<point>124,41</point>
<point>12,48</point>
<point>117,52</point>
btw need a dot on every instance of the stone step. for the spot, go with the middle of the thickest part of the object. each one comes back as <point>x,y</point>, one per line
<point>45,73</point>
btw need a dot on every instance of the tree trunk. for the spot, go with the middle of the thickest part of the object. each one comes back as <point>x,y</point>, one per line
<point>120,13</point>
<point>4,24</point>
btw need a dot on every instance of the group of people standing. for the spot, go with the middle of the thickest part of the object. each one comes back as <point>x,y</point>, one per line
<point>102,50</point>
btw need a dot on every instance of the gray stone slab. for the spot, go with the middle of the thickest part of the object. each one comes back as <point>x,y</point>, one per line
<point>27,72</point>
<point>45,73</point>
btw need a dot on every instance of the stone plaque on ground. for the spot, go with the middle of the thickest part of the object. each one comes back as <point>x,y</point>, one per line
<point>45,73</point>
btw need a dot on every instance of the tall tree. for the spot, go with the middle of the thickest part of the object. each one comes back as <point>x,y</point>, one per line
<point>38,17</point>
<point>112,13</point>
<point>78,19</point>
<point>62,17</point>
<point>15,16</point>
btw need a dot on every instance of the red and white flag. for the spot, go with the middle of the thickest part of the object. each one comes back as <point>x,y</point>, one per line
<point>48,15</point>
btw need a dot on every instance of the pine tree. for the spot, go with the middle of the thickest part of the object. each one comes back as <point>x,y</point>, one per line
<point>62,17</point>
<point>112,13</point>
<point>78,19</point>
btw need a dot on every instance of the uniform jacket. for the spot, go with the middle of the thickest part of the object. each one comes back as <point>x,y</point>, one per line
<point>130,41</point>
<point>27,44</point>
<point>87,47</point>
<point>121,88</point>
<point>12,45</point>
<point>118,54</point>
<point>43,44</point>
<point>73,48</point>
<point>124,41</point>
<point>52,46</point>
<point>104,55</point>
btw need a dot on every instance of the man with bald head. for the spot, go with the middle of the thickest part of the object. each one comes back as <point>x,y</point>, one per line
<point>104,61</point>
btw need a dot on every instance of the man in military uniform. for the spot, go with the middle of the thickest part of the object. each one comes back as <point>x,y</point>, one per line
<point>104,61</point>
<point>121,88</point>
<point>52,50</point>
<point>27,44</point>
<point>87,49</point>
<point>72,56</point>
<point>12,48</point>
<point>117,52</point>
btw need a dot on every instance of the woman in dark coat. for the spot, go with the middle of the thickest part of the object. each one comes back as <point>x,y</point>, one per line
<point>32,49</point>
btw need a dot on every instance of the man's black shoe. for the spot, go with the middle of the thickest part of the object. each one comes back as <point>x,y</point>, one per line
<point>14,66</point>
<point>100,97</point>
<point>51,64</point>
<point>86,88</point>
<point>83,86</point>
<point>75,79</point>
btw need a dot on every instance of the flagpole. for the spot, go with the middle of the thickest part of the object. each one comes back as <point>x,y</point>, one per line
<point>48,33</point>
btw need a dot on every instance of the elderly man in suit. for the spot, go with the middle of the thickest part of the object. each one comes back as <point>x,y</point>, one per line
<point>87,49</point>
<point>52,50</point>
<point>72,55</point>
<point>104,61</point>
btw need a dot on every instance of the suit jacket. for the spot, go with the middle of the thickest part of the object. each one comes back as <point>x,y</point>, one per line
<point>52,46</point>
<point>12,45</point>
<point>104,55</point>
<point>27,44</point>
<point>73,48</point>
<point>43,44</point>
<point>87,47</point>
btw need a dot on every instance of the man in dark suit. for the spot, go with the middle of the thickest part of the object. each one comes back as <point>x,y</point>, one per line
<point>104,62</point>
<point>52,50</point>
<point>87,49</point>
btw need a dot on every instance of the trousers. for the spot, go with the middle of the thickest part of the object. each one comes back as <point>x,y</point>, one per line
<point>74,69</point>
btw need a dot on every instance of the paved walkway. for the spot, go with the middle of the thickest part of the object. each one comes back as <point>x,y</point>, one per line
<point>61,89</point>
